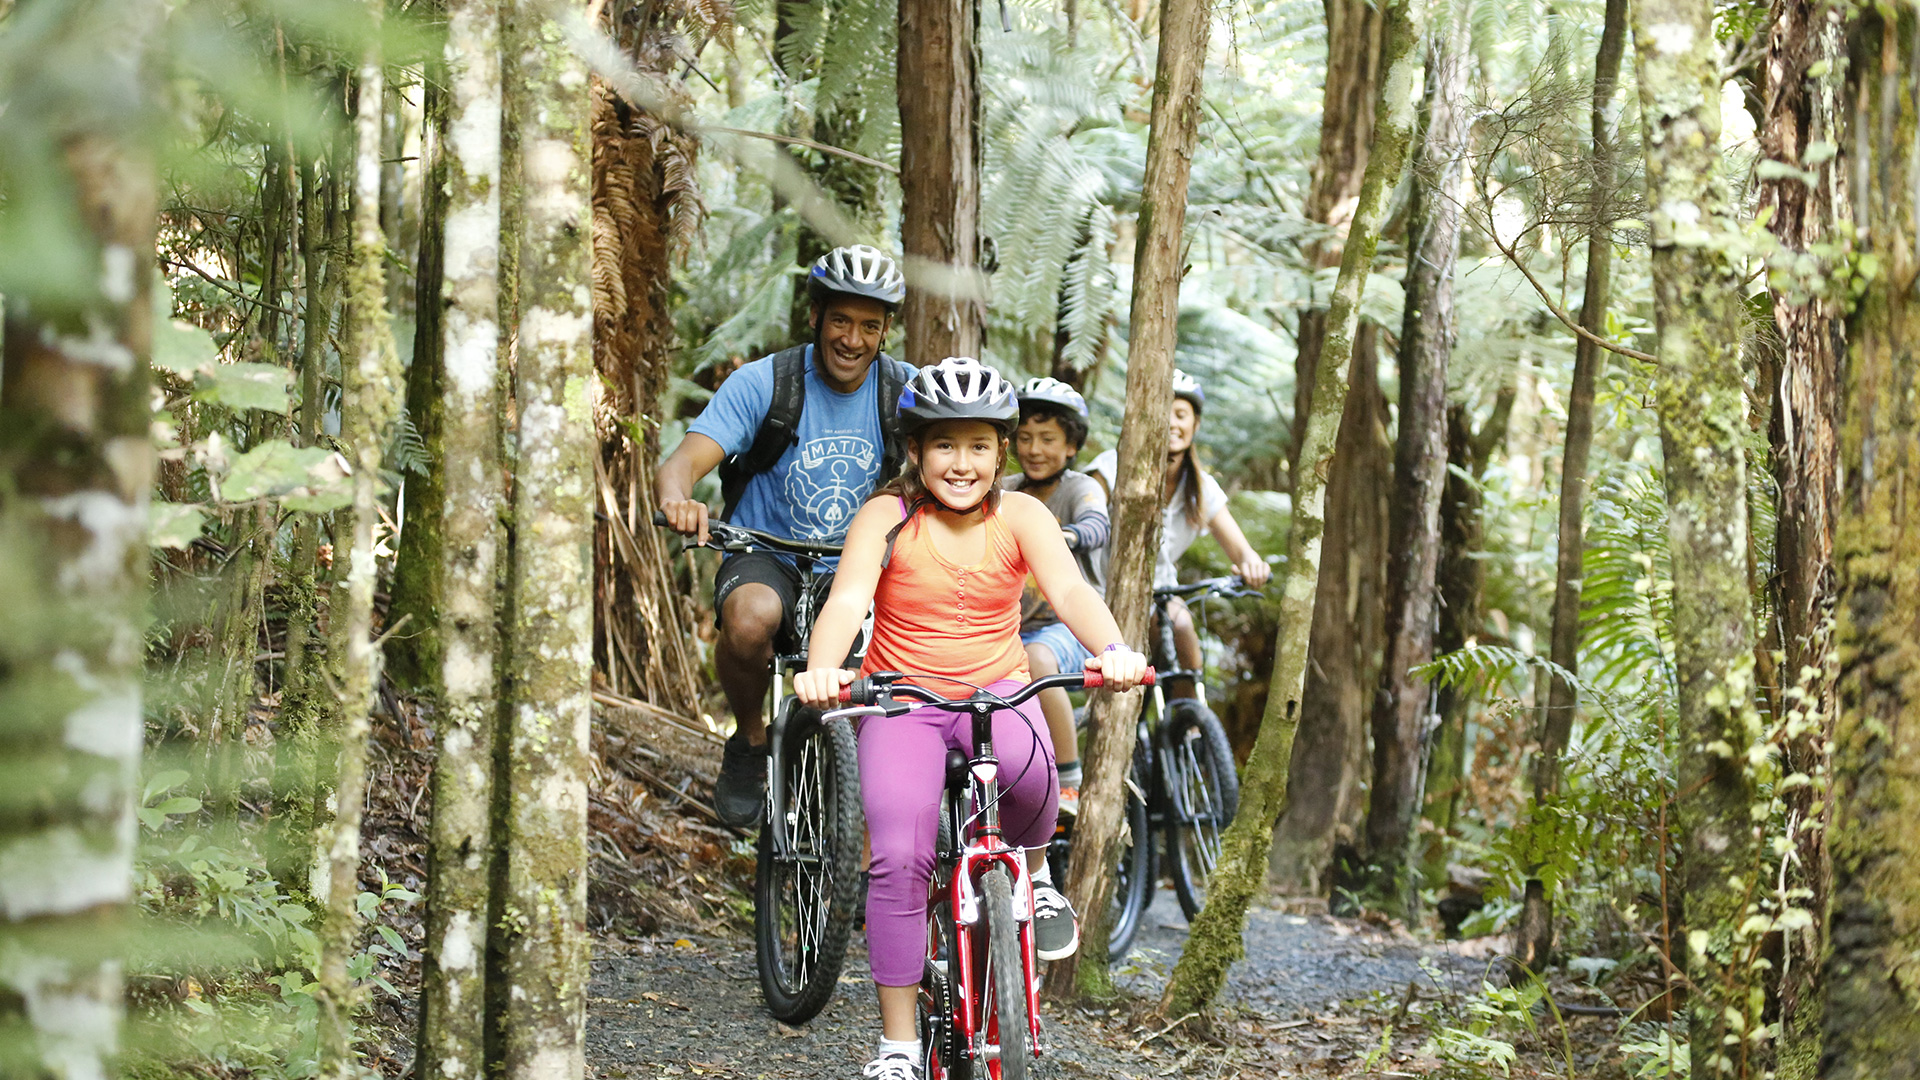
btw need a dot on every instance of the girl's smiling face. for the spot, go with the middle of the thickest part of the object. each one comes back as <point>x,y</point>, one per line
<point>1042,447</point>
<point>959,460</point>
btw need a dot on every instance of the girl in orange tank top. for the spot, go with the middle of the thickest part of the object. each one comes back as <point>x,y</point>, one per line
<point>941,554</point>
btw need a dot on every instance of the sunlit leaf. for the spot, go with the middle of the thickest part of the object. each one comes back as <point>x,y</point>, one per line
<point>174,525</point>
<point>245,386</point>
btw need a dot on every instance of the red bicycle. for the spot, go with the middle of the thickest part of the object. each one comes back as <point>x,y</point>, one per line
<point>979,1005</point>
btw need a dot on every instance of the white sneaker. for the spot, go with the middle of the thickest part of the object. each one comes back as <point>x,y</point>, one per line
<point>892,1067</point>
<point>1056,930</point>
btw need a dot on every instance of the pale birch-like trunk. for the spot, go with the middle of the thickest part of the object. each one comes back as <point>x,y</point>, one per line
<point>1137,493</point>
<point>550,638</point>
<point>454,968</point>
<point>1214,942</point>
<point>1702,408</point>
<point>373,381</point>
<point>1534,936</point>
<point>1873,964</point>
<point>1400,703</point>
<point>76,463</point>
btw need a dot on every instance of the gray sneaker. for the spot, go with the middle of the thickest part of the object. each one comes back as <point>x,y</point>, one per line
<point>1056,930</point>
<point>741,791</point>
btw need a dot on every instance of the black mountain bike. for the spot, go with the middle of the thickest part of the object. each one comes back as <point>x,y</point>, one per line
<point>1182,785</point>
<point>806,889</point>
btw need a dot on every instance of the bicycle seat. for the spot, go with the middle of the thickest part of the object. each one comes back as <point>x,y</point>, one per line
<point>956,768</point>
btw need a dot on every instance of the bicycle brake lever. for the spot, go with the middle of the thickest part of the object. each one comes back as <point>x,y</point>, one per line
<point>852,711</point>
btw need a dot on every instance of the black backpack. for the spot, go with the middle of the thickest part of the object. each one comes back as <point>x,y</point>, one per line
<point>781,426</point>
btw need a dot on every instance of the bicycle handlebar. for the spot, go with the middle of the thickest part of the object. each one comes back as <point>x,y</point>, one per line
<point>739,538</point>
<point>878,687</point>
<point>1231,586</point>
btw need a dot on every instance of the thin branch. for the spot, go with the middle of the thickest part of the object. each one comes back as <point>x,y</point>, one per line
<point>1570,324</point>
<point>808,143</point>
<point>228,289</point>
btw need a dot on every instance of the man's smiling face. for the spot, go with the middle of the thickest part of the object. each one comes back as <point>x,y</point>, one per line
<point>851,329</point>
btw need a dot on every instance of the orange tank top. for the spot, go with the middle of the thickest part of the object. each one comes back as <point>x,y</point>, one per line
<point>934,616</point>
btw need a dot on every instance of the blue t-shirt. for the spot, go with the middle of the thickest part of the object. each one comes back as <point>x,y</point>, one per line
<point>812,492</point>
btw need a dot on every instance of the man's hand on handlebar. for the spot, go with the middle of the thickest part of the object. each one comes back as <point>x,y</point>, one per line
<point>688,517</point>
<point>819,688</point>
<point>1122,669</point>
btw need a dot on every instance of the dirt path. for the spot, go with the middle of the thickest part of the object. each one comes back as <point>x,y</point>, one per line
<point>691,1007</point>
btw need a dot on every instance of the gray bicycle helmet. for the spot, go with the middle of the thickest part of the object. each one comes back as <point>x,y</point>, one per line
<point>857,270</point>
<point>958,388</point>
<point>1186,386</point>
<point>1047,391</point>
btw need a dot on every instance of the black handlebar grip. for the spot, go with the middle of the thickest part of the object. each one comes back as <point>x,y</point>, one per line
<point>660,519</point>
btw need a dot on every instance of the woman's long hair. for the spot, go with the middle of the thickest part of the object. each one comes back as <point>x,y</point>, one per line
<point>1188,487</point>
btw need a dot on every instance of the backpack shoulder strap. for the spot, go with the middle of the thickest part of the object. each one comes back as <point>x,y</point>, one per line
<point>893,379</point>
<point>779,429</point>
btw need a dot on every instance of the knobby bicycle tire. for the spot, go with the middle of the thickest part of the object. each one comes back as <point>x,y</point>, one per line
<point>943,1053</point>
<point>1202,791</point>
<point>804,903</point>
<point>1003,984</point>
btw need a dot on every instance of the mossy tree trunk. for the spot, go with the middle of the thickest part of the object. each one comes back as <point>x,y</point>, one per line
<point>415,654</point>
<point>1400,704</point>
<point>76,465</point>
<point>1330,754</point>
<point>370,371</point>
<point>1214,942</point>
<point>1157,260</point>
<point>1534,941</point>
<point>550,638</point>
<point>1701,403</point>
<point>459,856</point>
<point>1873,968</point>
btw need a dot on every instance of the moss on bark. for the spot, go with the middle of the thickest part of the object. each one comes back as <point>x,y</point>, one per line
<point>1214,943</point>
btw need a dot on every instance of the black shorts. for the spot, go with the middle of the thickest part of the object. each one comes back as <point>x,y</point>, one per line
<point>776,573</point>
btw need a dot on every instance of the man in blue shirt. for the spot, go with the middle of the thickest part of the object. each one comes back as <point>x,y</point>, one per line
<point>829,459</point>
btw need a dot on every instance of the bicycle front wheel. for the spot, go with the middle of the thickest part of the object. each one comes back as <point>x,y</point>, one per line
<point>1003,1005</point>
<point>805,893</point>
<point>1203,794</point>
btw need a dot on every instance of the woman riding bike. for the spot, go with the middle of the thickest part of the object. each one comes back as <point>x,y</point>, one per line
<point>1193,501</point>
<point>942,556</point>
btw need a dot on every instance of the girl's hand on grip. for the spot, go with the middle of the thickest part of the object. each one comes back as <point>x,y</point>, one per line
<point>819,688</point>
<point>1122,668</point>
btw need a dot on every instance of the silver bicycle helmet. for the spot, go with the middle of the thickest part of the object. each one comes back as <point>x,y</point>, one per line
<point>857,270</point>
<point>1186,386</point>
<point>958,388</point>
<point>1047,391</point>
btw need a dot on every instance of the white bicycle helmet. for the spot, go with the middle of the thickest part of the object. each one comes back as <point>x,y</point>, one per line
<point>1048,391</point>
<point>1186,386</point>
<point>958,388</point>
<point>857,270</point>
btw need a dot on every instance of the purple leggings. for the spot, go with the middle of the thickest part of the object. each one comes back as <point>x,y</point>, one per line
<point>902,768</point>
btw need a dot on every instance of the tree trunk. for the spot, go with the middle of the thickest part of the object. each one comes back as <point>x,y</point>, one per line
<point>76,464</point>
<point>945,311</point>
<point>1214,942</point>
<point>1535,933</point>
<point>290,849</point>
<point>1158,257</point>
<point>415,654</point>
<point>1702,408</point>
<point>1873,1020</point>
<point>1330,759</point>
<point>453,964</point>
<point>550,640</point>
<point>370,369</point>
<point>1799,111</point>
<point>1401,705</point>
